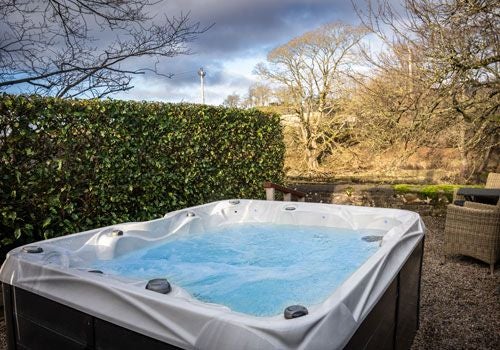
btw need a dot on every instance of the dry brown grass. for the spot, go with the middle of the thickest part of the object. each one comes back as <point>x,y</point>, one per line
<point>431,165</point>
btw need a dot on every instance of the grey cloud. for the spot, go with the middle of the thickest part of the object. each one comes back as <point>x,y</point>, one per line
<point>241,28</point>
<point>157,88</point>
<point>240,25</point>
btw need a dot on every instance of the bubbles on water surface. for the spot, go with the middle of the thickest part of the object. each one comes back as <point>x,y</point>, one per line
<point>256,269</point>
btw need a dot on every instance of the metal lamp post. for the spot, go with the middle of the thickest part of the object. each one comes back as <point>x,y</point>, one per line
<point>202,74</point>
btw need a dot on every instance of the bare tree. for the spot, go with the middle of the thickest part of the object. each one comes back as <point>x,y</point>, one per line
<point>259,94</point>
<point>313,68</point>
<point>396,109</point>
<point>232,101</point>
<point>459,68</point>
<point>59,47</point>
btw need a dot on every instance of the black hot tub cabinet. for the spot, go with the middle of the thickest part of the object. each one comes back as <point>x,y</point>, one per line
<point>51,302</point>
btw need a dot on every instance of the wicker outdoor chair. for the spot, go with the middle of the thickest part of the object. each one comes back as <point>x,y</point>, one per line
<point>474,229</point>
<point>493,180</point>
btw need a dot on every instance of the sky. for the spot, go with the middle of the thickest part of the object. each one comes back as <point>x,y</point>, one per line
<point>243,32</point>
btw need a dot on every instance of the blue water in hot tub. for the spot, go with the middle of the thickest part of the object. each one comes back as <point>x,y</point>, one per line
<point>257,269</point>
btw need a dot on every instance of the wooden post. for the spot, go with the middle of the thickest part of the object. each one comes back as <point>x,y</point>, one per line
<point>288,193</point>
<point>270,194</point>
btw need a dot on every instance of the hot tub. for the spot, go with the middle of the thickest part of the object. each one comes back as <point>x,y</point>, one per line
<point>315,276</point>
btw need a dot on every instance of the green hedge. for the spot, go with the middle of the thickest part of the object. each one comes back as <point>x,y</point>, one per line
<point>71,165</point>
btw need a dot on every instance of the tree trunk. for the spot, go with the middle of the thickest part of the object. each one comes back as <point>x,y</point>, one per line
<point>487,154</point>
<point>312,159</point>
<point>462,148</point>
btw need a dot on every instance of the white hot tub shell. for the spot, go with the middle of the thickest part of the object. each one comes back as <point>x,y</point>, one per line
<point>343,320</point>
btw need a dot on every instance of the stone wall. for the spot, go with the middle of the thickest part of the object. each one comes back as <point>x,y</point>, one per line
<point>372,195</point>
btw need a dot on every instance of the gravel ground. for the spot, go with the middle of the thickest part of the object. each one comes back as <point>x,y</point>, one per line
<point>460,300</point>
<point>3,341</point>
